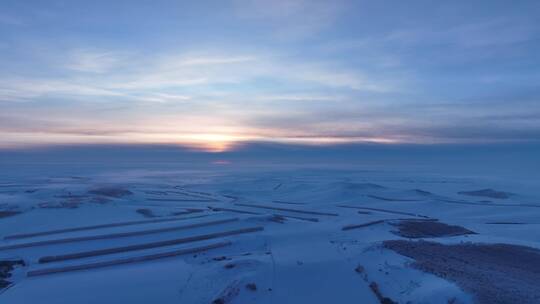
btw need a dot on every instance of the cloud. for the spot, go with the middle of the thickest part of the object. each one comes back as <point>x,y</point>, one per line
<point>202,60</point>
<point>93,61</point>
<point>294,70</point>
<point>298,97</point>
<point>194,96</point>
<point>164,98</point>
<point>25,89</point>
<point>179,77</point>
<point>343,79</point>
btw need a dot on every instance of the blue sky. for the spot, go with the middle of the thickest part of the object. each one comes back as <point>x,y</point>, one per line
<point>214,73</point>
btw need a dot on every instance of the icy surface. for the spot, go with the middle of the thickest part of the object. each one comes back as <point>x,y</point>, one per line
<point>303,254</point>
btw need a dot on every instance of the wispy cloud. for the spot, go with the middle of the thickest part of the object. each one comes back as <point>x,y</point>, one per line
<point>93,61</point>
<point>203,60</point>
<point>165,98</point>
<point>24,89</point>
<point>177,77</point>
<point>274,70</point>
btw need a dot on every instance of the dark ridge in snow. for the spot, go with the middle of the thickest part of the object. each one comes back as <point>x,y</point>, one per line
<point>487,193</point>
<point>493,273</point>
<point>6,267</point>
<point>111,191</point>
<point>228,294</point>
<point>373,286</point>
<point>145,212</point>
<point>382,299</point>
<point>427,229</point>
<point>422,192</point>
<point>69,204</point>
<point>390,199</point>
<point>8,213</point>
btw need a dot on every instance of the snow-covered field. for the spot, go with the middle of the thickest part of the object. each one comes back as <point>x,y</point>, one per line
<point>220,234</point>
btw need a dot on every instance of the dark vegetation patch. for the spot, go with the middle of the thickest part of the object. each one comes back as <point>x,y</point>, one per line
<point>229,265</point>
<point>71,196</point>
<point>6,267</point>
<point>8,213</point>
<point>373,286</point>
<point>359,269</point>
<point>69,204</point>
<point>288,203</point>
<point>423,229</point>
<point>487,193</point>
<point>110,191</point>
<point>382,299</point>
<point>221,258</point>
<point>228,294</point>
<point>422,192</point>
<point>277,219</point>
<point>355,226</point>
<point>493,273</point>
<point>146,212</point>
<point>390,199</point>
<point>187,211</point>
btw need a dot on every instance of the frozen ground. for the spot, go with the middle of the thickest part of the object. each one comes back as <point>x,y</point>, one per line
<point>221,234</point>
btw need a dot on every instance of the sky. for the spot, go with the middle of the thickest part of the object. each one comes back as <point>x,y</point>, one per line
<point>214,74</point>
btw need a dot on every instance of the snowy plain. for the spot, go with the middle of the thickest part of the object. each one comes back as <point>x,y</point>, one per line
<point>247,233</point>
